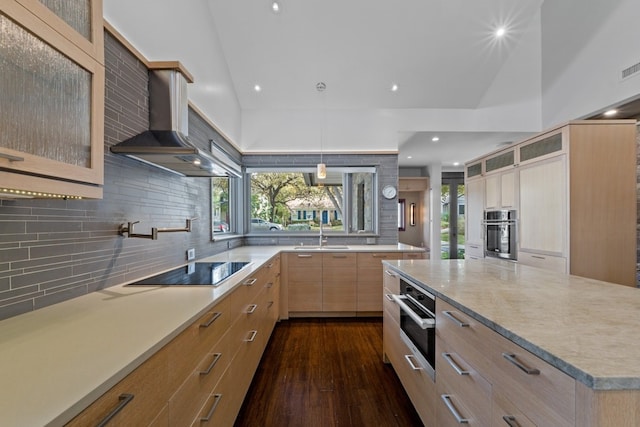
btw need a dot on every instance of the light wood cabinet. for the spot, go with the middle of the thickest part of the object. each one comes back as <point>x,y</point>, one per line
<point>413,184</point>
<point>62,154</point>
<point>575,192</point>
<point>339,282</point>
<point>474,190</point>
<point>304,282</point>
<point>369,284</point>
<point>202,375</point>
<point>501,379</point>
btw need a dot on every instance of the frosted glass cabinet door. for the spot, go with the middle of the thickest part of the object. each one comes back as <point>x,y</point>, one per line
<point>543,206</point>
<point>52,104</point>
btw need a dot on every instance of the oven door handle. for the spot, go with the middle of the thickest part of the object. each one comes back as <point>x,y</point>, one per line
<point>423,323</point>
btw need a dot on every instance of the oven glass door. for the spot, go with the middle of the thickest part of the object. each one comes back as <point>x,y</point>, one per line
<point>500,234</point>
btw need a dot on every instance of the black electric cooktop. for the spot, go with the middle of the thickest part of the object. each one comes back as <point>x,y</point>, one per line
<point>194,274</point>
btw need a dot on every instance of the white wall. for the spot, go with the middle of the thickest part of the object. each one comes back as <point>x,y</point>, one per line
<point>180,27</point>
<point>584,50</point>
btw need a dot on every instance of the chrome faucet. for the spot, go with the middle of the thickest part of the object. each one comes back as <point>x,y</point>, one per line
<point>322,239</point>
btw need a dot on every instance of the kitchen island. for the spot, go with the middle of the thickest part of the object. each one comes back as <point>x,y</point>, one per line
<point>585,330</point>
<point>56,361</point>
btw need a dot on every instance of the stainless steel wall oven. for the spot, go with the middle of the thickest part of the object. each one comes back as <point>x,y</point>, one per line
<point>500,228</point>
<point>418,324</point>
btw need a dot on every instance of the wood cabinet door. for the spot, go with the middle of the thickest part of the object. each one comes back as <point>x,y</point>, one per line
<point>339,281</point>
<point>304,276</point>
<point>543,207</point>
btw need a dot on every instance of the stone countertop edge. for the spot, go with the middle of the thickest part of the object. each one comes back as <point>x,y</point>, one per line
<point>595,383</point>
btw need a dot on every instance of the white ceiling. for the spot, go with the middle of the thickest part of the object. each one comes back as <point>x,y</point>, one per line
<point>442,54</point>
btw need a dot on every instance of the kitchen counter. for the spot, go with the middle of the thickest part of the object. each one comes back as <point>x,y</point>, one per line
<point>586,328</point>
<point>57,360</point>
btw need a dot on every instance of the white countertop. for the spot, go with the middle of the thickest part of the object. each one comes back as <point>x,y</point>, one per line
<point>587,328</point>
<point>57,360</point>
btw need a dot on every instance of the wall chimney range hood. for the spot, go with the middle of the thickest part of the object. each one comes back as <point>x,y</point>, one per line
<point>166,144</point>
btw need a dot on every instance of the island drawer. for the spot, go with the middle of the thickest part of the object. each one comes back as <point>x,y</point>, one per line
<point>469,338</point>
<point>542,392</point>
<point>471,388</point>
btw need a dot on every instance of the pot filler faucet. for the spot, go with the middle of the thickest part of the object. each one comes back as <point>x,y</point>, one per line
<point>128,230</point>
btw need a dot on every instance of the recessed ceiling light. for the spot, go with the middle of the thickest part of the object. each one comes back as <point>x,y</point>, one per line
<point>610,113</point>
<point>275,6</point>
<point>501,32</point>
<point>456,163</point>
<point>394,87</point>
<point>409,157</point>
<point>257,88</point>
<point>435,139</point>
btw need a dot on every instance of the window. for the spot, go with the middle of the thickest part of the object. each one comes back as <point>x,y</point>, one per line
<point>294,200</point>
<point>222,220</point>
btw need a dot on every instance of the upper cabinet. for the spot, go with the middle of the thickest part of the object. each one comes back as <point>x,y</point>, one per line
<point>574,189</point>
<point>52,106</point>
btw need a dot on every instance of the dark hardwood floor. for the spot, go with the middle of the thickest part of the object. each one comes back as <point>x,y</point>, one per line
<point>326,372</point>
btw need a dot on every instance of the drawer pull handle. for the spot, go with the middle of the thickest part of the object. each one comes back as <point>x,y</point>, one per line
<point>447,401</point>
<point>511,421</point>
<point>453,318</point>
<point>216,400</point>
<point>252,308</point>
<point>379,256</point>
<point>512,358</point>
<point>270,265</point>
<point>537,256</point>
<point>252,336</point>
<point>249,282</point>
<point>454,365</point>
<point>414,366</point>
<point>269,304</point>
<point>339,256</point>
<point>304,256</point>
<point>216,357</point>
<point>390,273</point>
<point>210,321</point>
<point>124,399</point>
<point>269,285</point>
<point>389,297</point>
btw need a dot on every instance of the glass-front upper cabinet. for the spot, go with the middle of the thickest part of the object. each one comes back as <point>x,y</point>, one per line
<point>52,104</point>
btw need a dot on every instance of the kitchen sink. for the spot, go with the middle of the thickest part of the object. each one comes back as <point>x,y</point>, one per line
<point>325,247</point>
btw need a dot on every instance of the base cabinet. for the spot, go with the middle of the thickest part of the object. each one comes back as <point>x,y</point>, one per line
<point>201,376</point>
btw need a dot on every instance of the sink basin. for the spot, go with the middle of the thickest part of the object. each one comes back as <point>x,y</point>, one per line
<point>314,247</point>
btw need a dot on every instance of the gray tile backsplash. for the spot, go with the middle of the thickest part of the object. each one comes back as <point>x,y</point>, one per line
<point>55,250</point>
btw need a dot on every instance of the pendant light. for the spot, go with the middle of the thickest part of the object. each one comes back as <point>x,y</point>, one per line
<point>321,169</point>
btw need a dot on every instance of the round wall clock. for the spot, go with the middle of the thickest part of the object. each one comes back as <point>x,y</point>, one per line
<point>389,192</point>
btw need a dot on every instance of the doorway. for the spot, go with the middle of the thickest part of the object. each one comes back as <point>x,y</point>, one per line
<point>452,216</point>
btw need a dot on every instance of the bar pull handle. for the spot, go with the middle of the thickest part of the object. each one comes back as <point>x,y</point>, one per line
<point>269,304</point>
<point>269,285</point>
<point>511,421</point>
<point>216,357</point>
<point>389,297</point>
<point>11,158</point>
<point>512,358</point>
<point>210,321</point>
<point>414,366</point>
<point>252,336</point>
<point>249,282</point>
<point>216,401</point>
<point>447,401</point>
<point>124,399</point>
<point>304,256</point>
<point>537,257</point>
<point>456,321</point>
<point>390,273</point>
<point>447,357</point>
<point>252,308</point>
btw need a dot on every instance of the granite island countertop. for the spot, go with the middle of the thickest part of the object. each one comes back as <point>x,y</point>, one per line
<point>586,328</point>
<point>57,360</point>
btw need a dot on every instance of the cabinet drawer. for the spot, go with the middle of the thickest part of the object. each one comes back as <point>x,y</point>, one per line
<point>137,399</point>
<point>474,251</point>
<point>471,388</point>
<point>417,383</point>
<point>504,412</point>
<point>548,262</point>
<point>413,255</point>
<point>451,408</point>
<point>544,394</point>
<point>472,340</point>
<point>199,338</point>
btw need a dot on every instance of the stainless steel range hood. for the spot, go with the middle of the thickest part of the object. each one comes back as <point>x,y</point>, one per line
<point>166,144</point>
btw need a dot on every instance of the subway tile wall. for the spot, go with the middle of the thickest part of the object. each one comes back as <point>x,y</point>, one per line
<point>55,250</point>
